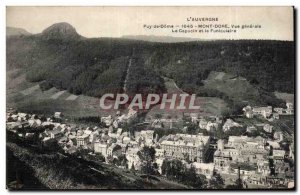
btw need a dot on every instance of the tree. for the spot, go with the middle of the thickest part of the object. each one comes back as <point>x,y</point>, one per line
<point>110,159</point>
<point>100,158</point>
<point>190,175</point>
<point>191,178</point>
<point>187,157</point>
<point>155,167</point>
<point>147,156</point>
<point>236,131</point>
<point>158,116</point>
<point>173,169</point>
<point>220,133</point>
<point>239,183</point>
<point>164,167</point>
<point>177,170</point>
<point>192,128</point>
<point>216,182</point>
<point>226,113</point>
<point>123,160</point>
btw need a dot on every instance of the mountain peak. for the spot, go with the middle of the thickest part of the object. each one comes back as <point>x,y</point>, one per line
<point>60,30</point>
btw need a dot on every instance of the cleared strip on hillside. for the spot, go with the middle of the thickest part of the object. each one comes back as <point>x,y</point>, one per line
<point>72,97</point>
<point>56,95</point>
<point>30,90</point>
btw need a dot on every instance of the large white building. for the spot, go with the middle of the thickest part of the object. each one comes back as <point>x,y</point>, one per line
<point>100,148</point>
<point>185,146</point>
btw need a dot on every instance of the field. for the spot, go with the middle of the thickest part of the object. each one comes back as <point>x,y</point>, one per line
<point>28,97</point>
<point>237,88</point>
<point>287,97</point>
<point>208,105</point>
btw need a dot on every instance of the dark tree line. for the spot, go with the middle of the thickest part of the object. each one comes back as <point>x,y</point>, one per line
<point>176,170</point>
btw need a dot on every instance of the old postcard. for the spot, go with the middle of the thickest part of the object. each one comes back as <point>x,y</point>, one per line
<point>150,98</point>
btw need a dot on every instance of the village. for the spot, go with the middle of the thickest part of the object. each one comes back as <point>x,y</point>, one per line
<point>257,161</point>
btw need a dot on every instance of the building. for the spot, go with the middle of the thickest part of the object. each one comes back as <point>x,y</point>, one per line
<point>131,114</point>
<point>126,140</point>
<point>268,128</point>
<point>256,181</point>
<point>251,129</point>
<point>239,150</point>
<point>119,131</point>
<point>222,161</point>
<point>157,124</point>
<point>159,162</point>
<point>194,117</point>
<point>159,152</point>
<point>82,140</point>
<point>202,124</point>
<point>55,134</point>
<point>58,115</point>
<point>263,167</point>
<point>34,122</point>
<point>289,108</point>
<point>211,126</point>
<point>100,148</point>
<point>185,146</point>
<point>115,124</point>
<point>278,156</point>
<point>274,145</point>
<point>114,150</point>
<point>263,111</point>
<point>276,116</point>
<point>107,120</point>
<point>248,112</point>
<point>14,125</point>
<point>245,169</point>
<point>146,136</point>
<point>93,136</point>
<point>133,158</point>
<point>229,124</point>
<point>206,169</point>
<point>279,110</point>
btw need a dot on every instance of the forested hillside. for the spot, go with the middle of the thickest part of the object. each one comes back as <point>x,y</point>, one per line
<point>63,59</point>
<point>268,64</point>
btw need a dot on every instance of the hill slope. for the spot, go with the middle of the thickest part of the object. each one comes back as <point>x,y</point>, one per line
<point>11,31</point>
<point>67,172</point>
<point>67,61</point>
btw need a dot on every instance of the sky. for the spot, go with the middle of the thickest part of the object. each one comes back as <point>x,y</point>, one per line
<point>276,22</point>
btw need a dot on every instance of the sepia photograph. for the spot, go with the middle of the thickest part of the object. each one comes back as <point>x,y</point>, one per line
<point>147,98</point>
